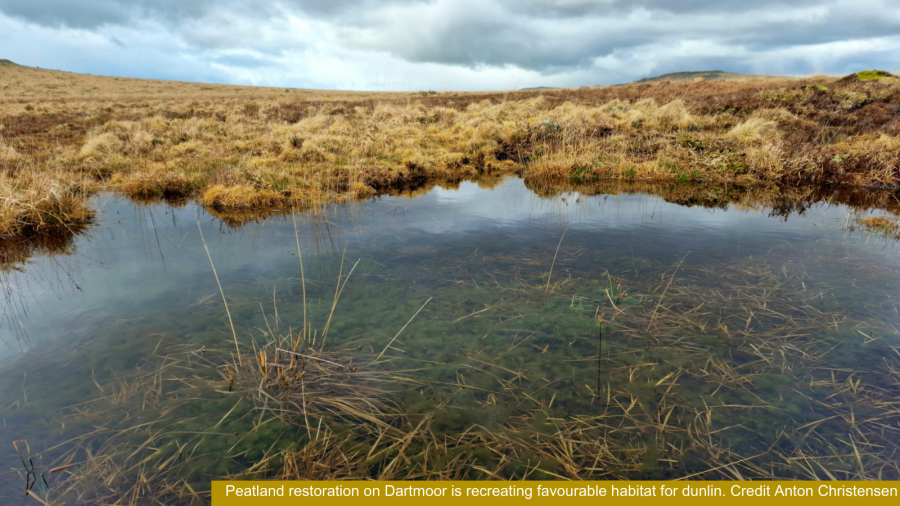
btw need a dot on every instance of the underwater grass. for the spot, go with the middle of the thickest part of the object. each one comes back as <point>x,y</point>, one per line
<point>751,368</point>
<point>754,368</point>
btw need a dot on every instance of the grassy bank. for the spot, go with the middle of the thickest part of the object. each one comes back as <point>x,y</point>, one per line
<point>242,147</point>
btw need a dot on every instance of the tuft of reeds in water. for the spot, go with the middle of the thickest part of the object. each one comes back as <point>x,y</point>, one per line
<point>299,382</point>
<point>886,227</point>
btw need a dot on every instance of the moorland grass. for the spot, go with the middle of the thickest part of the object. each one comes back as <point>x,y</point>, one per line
<point>67,135</point>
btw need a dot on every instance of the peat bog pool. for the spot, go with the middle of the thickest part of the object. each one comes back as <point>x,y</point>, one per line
<point>482,332</point>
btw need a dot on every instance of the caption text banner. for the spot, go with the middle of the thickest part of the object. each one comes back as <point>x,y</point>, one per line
<point>474,493</point>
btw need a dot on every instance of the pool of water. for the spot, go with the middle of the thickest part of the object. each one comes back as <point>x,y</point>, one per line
<point>611,335</point>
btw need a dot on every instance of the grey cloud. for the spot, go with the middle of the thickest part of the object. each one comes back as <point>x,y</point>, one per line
<point>838,26</point>
<point>332,8</point>
<point>578,8</point>
<point>60,12</point>
<point>95,13</point>
<point>476,38</point>
<point>550,37</point>
<point>877,59</point>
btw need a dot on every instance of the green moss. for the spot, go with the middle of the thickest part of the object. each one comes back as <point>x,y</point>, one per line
<point>692,143</point>
<point>668,164</point>
<point>871,75</point>
<point>583,174</point>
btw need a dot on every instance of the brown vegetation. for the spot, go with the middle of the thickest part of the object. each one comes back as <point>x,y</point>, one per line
<point>885,227</point>
<point>243,147</point>
<point>34,201</point>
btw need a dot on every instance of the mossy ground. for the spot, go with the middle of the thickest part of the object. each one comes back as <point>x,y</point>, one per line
<point>872,75</point>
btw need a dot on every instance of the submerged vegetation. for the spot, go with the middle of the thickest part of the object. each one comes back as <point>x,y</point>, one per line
<point>555,359</point>
<point>233,147</point>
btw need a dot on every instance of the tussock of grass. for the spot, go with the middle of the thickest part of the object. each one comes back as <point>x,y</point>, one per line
<point>9,154</point>
<point>886,227</point>
<point>755,129</point>
<point>298,382</point>
<point>240,196</point>
<point>162,183</point>
<point>33,202</point>
<point>879,223</point>
<point>99,145</point>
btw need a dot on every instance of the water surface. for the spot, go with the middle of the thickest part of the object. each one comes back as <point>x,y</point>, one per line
<point>685,341</point>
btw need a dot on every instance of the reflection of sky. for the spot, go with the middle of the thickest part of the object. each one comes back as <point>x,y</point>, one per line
<point>144,262</point>
<point>512,204</point>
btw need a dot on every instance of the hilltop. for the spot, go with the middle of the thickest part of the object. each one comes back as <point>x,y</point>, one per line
<point>706,75</point>
<point>21,83</point>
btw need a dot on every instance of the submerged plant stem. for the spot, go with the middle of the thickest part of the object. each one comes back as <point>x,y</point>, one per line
<point>401,330</point>
<point>222,292</point>
<point>653,316</point>
<point>304,333</point>
<point>554,256</point>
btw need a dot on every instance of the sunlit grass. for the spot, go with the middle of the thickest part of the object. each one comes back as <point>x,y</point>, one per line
<point>244,147</point>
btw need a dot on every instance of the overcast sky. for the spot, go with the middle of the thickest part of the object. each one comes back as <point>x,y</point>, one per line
<point>411,45</point>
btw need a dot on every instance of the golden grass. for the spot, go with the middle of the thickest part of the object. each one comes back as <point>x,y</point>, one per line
<point>886,227</point>
<point>33,202</point>
<point>878,223</point>
<point>244,147</point>
<point>240,196</point>
<point>21,83</point>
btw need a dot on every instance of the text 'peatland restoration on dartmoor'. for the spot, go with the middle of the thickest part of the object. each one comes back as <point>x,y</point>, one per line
<point>491,493</point>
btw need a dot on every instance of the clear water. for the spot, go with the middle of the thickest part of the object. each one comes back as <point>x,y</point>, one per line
<point>775,336</point>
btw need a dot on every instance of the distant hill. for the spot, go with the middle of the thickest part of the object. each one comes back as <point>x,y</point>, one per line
<point>709,75</point>
<point>20,82</point>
